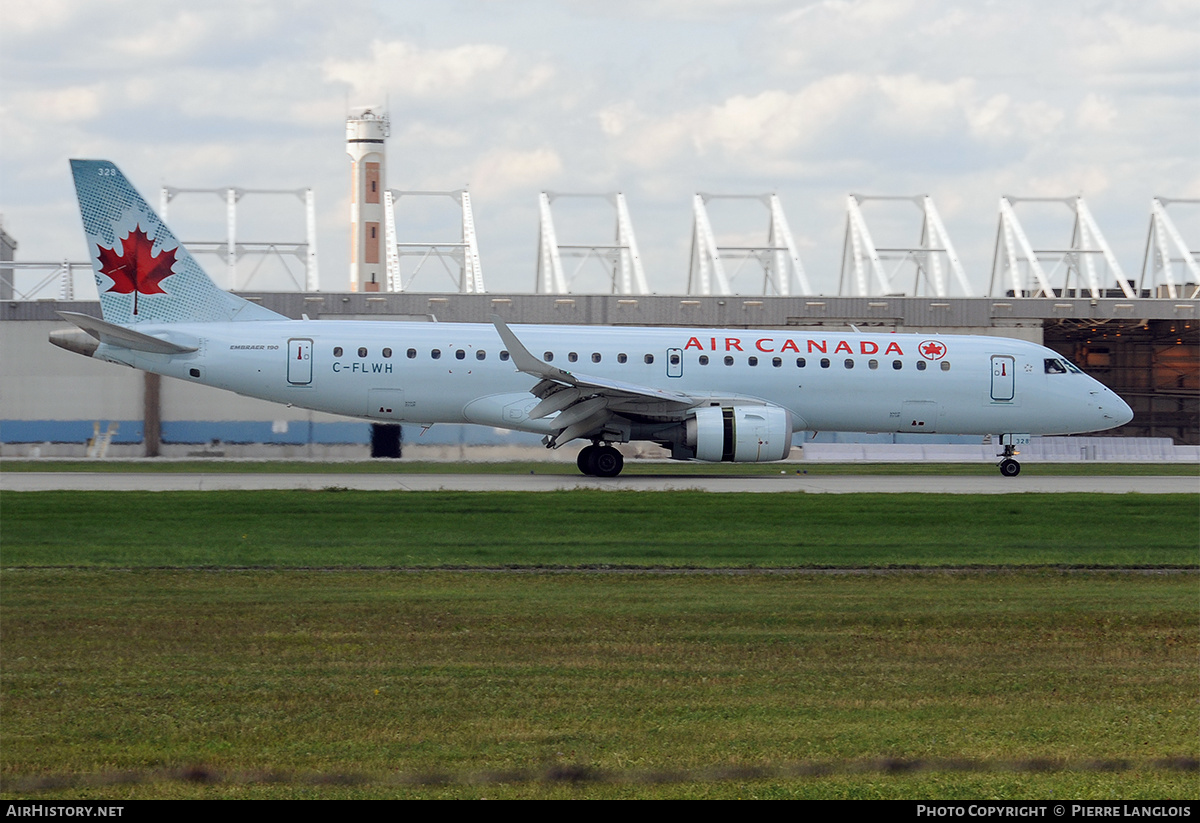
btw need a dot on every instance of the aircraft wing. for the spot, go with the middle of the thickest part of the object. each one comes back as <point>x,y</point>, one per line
<point>586,403</point>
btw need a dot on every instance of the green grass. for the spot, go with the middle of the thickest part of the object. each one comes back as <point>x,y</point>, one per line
<point>579,528</point>
<point>120,680</point>
<point>281,644</point>
<point>634,467</point>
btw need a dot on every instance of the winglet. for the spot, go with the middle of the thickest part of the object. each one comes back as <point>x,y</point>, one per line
<point>525,362</point>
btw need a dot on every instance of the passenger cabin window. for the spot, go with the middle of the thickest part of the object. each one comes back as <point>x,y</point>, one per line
<point>728,360</point>
<point>801,362</point>
<point>460,355</point>
<point>897,365</point>
<point>387,352</point>
<point>435,354</point>
<point>411,354</point>
<point>776,361</point>
<point>481,355</point>
<point>595,357</point>
<point>824,362</point>
<point>362,351</point>
<point>503,355</point>
<point>872,364</point>
<point>753,361</point>
<point>921,365</point>
<point>674,359</point>
<point>704,360</point>
<point>572,356</point>
<point>945,365</point>
<point>622,358</point>
<point>548,356</point>
<point>649,359</point>
<point>337,351</point>
<point>849,363</point>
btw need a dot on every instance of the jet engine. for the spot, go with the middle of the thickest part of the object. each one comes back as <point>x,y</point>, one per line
<point>740,434</point>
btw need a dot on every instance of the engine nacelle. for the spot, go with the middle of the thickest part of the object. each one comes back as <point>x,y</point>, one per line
<point>740,434</point>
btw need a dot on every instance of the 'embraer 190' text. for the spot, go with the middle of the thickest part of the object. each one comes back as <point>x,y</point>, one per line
<point>771,345</point>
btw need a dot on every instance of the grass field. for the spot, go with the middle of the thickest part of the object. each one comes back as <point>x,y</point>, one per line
<point>320,529</point>
<point>302,644</point>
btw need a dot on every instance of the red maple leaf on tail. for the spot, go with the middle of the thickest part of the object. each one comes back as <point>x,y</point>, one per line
<point>136,270</point>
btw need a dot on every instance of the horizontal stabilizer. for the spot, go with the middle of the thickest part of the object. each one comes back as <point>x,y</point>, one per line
<point>115,335</point>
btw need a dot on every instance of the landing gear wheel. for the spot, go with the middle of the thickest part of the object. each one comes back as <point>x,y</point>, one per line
<point>586,461</point>
<point>1010,467</point>
<point>607,462</point>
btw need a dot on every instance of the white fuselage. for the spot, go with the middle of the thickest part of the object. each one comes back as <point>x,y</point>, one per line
<point>459,373</point>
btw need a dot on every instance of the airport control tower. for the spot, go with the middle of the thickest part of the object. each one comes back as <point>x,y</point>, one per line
<point>365,136</point>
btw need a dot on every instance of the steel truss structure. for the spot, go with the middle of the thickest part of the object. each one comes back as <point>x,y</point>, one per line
<point>621,260</point>
<point>464,251</point>
<point>232,249</point>
<point>1165,250</point>
<point>61,272</point>
<point>778,258</point>
<point>931,257</point>
<point>1017,267</point>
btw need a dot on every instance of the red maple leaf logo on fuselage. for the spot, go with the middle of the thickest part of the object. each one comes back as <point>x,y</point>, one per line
<point>932,350</point>
<point>136,270</point>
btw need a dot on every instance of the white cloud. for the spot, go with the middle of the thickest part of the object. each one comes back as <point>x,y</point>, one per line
<point>916,105</point>
<point>999,119</point>
<point>1096,113</point>
<point>56,105</point>
<point>746,129</point>
<point>30,17</point>
<point>509,170</point>
<point>1117,43</point>
<point>403,69</point>
<point>777,126</point>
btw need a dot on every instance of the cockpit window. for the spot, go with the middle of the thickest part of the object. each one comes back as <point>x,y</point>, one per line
<point>1055,366</point>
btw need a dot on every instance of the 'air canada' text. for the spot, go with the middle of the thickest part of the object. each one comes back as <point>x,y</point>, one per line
<point>771,345</point>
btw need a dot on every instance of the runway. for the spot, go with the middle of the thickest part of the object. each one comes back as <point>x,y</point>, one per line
<point>783,483</point>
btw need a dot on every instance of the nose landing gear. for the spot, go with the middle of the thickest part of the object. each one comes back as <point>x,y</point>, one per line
<point>1008,466</point>
<point>600,460</point>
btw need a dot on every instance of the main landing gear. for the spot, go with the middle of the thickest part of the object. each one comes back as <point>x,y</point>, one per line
<point>600,461</point>
<point>1008,466</point>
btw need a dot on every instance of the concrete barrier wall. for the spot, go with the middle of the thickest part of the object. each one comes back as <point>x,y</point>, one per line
<point>1039,450</point>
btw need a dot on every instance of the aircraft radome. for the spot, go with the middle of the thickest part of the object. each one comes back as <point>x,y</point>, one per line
<point>704,394</point>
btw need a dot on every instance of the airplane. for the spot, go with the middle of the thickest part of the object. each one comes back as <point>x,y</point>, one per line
<point>713,395</point>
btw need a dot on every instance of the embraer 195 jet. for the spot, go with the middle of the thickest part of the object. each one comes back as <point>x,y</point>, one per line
<point>716,395</point>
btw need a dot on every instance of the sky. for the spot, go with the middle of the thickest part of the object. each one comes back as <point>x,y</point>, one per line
<point>659,99</point>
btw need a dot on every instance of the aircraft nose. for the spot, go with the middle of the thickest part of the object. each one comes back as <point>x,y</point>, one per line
<point>1121,410</point>
<point>1114,411</point>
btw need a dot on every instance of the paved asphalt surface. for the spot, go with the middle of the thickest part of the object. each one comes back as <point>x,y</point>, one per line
<point>791,482</point>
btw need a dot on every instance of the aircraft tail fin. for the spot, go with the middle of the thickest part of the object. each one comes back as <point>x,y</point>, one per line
<point>143,274</point>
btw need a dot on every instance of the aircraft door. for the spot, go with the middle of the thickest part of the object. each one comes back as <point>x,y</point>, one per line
<point>674,362</point>
<point>1003,385</point>
<point>299,370</point>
